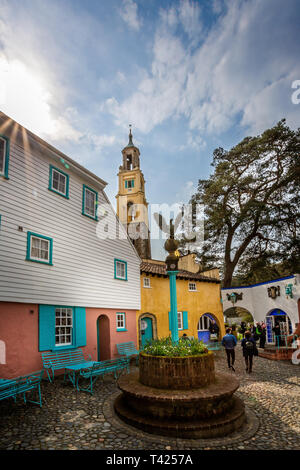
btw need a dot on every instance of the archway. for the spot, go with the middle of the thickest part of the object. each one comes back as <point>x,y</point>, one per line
<point>237,315</point>
<point>147,328</point>
<point>278,316</point>
<point>208,327</point>
<point>103,338</point>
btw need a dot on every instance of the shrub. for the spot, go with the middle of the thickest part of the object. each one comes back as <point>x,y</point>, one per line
<point>166,347</point>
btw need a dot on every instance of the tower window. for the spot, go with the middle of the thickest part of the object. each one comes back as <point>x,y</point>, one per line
<point>129,184</point>
<point>129,162</point>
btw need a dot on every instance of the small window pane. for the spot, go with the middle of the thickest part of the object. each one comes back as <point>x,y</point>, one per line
<point>120,270</point>
<point>59,182</point>
<point>39,249</point>
<point>90,203</point>
<point>64,326</point>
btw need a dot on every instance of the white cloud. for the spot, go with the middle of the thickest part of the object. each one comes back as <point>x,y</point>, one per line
<point>240,73</point>
<point>129,14</point>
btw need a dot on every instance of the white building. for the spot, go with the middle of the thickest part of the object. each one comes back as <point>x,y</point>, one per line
<point>272,301</point>
<point>69,275</point>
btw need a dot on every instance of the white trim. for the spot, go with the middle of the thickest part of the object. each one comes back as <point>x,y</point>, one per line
<point>146,286</point>
<point>36,258</point>
<point>180,320</point>
<point>192,290</point>
<point>52,180</point>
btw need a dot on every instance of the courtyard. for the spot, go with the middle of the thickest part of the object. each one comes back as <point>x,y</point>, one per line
<point>71,420</point>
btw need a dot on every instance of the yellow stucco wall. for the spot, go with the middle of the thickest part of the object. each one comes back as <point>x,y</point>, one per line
<point>156,300</point>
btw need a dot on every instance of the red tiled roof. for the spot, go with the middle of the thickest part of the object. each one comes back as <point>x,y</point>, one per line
<point>160,270</point>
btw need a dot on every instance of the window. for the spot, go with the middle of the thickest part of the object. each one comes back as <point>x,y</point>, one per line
<point>39,248</point>
<point>129,184</point>
<point>147,282</point>
<point>192,286</point>
<point>63,326</point>
<point>4,156</point>
<point>120,270</point>
<point>59,182</point>
<point>89,202</point>
<point>121,325</point>
<point>180,322</point>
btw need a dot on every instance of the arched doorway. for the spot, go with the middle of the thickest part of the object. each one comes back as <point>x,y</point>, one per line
<point>147,328</point>
<point>280,317</point>
<point>208,327</point>
<point>237,315</point>
<point>103,338</point>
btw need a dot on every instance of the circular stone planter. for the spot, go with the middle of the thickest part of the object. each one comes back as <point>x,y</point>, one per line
<point>177,373</point>
<point>180,397</point>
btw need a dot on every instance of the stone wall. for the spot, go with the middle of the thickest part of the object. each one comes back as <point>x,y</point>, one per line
<point>177,373</point>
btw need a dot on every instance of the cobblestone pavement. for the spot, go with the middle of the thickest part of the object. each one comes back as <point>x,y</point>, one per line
<point>76,420</point>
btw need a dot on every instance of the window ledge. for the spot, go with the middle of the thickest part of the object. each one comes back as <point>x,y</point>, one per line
<point>37,261</point>
<point>121,329</point>
<point>60,194</point>
<point>62,348</point>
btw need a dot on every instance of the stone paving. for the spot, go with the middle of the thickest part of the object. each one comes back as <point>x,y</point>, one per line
<point>73,420</point>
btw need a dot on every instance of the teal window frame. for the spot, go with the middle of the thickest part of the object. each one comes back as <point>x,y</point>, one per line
<point>47,328</point>
<point>51,168</point>
<point>115,268</point>
<point>6,157</point>
<point>124,321</point>
<point>84,187</point>
<point>28,256</point>
<point>131,182</point>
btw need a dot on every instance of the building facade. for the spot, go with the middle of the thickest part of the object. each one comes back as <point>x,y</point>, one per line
<point>271,302</point>
<point>65,280</point>
<point>198,302</point>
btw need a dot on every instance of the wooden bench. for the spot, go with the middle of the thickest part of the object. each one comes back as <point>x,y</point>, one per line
<point>128,350</point>
<point>99,369</point>
<point>21,385</point>
<point>57,360</point>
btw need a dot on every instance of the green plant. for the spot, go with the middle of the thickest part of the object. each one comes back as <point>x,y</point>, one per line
<point>166,347</point>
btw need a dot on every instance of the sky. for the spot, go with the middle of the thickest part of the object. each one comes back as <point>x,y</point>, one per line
<point>188,75</point>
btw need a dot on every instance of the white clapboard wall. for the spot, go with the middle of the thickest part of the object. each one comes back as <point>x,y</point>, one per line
<point>83,264</point>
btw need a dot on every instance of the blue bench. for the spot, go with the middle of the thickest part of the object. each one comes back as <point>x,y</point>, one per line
<point>99,369</point>
<point>21,385</point>
<point>57,360</point>
<point>128,350</point>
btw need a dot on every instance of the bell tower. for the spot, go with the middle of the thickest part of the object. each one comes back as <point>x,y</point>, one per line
<point>132,207</point>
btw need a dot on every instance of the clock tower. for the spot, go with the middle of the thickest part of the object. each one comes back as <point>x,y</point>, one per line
<point>132,207</point>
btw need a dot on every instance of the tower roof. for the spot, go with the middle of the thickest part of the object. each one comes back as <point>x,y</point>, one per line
<point>130,143</point>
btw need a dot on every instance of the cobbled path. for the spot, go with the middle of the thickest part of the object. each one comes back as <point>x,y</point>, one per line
<point>73,420</point>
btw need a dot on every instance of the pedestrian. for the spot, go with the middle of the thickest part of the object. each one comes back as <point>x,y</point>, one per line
<point>243,328</point>
<point>276,330</point>
<point>233,331</point>
<point>249,350</point>
<point>229,342</point>
<point>262,338</point>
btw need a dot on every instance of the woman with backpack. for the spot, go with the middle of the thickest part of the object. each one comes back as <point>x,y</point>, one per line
<point>249,350</point>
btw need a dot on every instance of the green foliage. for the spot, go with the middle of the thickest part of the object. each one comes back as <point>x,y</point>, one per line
<point>166,347</point>
<point>251,203</point>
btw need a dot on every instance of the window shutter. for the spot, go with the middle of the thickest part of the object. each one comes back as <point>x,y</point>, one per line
<point>80,327</point>
<point>185,320</point>
<point>170,327</point>
<point>46,327</point>
<point>132,183</point>
<point>126,183</point>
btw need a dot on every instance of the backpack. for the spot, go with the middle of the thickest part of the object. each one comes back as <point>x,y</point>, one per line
<point>249,346</point>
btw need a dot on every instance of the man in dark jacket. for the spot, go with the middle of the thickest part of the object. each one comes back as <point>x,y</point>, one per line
<point>249,349</point>
<point>229,342</point>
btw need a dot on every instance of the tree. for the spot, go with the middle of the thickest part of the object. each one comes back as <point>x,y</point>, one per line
<point>252,204</point>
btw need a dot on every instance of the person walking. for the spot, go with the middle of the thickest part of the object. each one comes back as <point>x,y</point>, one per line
<point>249,350</point>
<point>276,331</point>
<point>229,342</point>
<point>263,336</point>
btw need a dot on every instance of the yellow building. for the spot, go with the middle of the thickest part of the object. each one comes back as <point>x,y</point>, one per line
<point>198,302</point>
<point>198,294</point>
